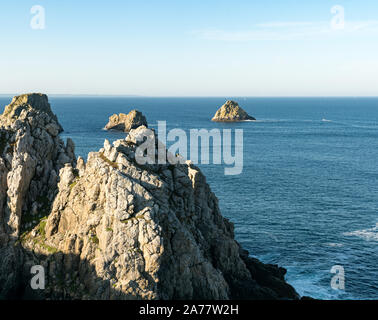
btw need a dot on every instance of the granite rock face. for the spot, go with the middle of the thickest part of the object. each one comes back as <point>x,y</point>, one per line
<point>115,229</point>
<point>231,112</point>
<point>126,122</point>
<point>36,102</point>
<point>31,155</point>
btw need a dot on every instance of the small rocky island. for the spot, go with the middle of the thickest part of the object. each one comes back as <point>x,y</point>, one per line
<point>109,228</point>
<point>231,112</point>
<point>126,122</point>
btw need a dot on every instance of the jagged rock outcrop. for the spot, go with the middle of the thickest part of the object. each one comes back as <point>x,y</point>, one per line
<point>31,155</point>
<point>231,112</point>
<point>121,230</point>
<point>30,103</point>
<point>126,122</point>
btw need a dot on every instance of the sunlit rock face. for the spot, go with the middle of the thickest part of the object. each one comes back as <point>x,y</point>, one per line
<point>231,112</point>
<point>126,122</point>
<point>31,155</point>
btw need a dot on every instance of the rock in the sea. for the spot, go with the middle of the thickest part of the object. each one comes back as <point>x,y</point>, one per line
<point>126,122</point>
<point>231,112</point>
<point>111,228</point>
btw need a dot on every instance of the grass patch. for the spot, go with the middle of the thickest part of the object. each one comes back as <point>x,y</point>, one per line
<point>29,221</point>
<point>140,217</point>
<point>110,163</point>
<point>73,184</point>
<point>40,239</point>
<point>49,249</point>
<point>42,226</point>
<point>94,239</point>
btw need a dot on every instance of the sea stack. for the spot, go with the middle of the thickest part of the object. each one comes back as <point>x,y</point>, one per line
<point>126,122</point>
<point>231,112</point>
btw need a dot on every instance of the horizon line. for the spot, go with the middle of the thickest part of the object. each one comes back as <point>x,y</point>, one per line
<point>186,96</point>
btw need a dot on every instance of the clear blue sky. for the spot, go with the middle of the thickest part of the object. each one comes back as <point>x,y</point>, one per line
<point>190,48</point>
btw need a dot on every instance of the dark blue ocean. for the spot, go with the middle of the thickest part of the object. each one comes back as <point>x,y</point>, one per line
<point>307,198</point>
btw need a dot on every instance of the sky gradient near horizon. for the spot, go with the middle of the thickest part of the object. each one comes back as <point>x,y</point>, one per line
<point>191,48</point>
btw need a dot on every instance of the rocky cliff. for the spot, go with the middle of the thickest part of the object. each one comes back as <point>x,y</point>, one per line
<point>110,228</point>
<point>31,156</point>
<point>126,122</point>
<point>231,112</point>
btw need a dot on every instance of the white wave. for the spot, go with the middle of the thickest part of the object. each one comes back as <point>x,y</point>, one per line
<point>310,284</point>
<point>326,120</point>
<point>334,244</point>
<point>367,234</point>
<point>266,120</point>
